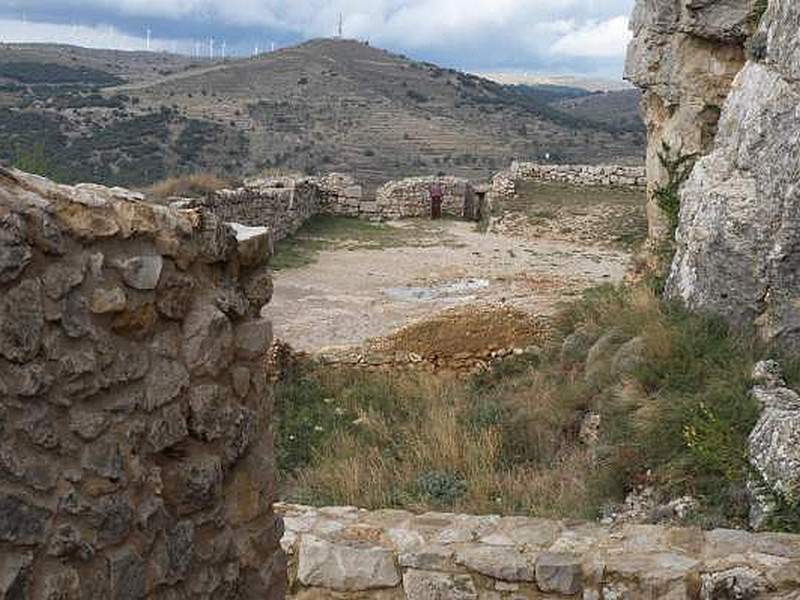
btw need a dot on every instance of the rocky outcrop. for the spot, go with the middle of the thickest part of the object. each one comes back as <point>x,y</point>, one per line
<point>684,55</point>
<point>774,445</point>
<point>135,457</point>
<point>738,243</point>
<point>348,553</point>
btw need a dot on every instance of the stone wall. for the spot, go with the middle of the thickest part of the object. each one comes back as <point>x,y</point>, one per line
<point>284,204</point>
<point>411,198</point>
<point>347,553</point>
<point>504,183</point>
<point>135,454</point>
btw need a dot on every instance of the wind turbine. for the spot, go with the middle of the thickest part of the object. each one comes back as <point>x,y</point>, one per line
<point>148,39</point>
<point>211,48</point>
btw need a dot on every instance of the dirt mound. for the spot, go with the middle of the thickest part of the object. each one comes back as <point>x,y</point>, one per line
<point>473,330</point>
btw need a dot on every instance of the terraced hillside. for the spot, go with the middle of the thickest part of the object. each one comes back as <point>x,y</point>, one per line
<point>132,118</point>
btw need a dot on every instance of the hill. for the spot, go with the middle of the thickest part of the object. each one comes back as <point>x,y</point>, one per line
<point>132,118</point>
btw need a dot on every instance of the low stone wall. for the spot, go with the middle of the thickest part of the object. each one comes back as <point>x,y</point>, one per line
<point>284,204</point>
<point>504,183</point>
<point>347,553</point>
<point>135,454</point>
<point>411,198</point>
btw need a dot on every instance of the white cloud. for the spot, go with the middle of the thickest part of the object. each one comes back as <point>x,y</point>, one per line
<point>98,36</point>
<point>607,39</point>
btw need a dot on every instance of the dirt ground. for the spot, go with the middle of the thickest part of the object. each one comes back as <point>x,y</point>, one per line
<point>352,293</point>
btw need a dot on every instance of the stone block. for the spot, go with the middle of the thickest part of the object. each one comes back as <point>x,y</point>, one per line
<point>349,567</point>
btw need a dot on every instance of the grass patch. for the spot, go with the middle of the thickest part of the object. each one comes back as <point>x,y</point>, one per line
<point>509,440</point>
<point>623,218</point>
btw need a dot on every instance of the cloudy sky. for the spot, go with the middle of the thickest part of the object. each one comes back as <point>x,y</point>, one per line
<point>571,37</point>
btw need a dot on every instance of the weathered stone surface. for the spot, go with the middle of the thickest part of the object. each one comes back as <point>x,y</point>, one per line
<point>253,339</point>
<point>559,573</point>
<point>254,244</point>
<point>430,585</point>
<point>503,563</point>
<point>141,272</point>
<point>103,495</point>
<point>107,300</point>
<point>258,290</point>
<point>740,207</point>
<point>166,381</point>
<point>232,301</point>
<point>21,321</point>
<point>128,575</point>
<point>14,580</point>
<point>774,444</point>
<point>22,522</point>
<point>345,567</point>
<point>208,341</point>
<point>75,318</point>
<point>175,295</point>
<point>167,429</point>
<point>63,276</point>
<point>15,252</point>
<point>685,56</point>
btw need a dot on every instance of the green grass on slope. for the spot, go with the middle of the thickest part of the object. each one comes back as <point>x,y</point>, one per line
<point>508,440</point>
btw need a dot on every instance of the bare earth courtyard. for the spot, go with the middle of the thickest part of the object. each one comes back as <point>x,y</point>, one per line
<point>365,281</point>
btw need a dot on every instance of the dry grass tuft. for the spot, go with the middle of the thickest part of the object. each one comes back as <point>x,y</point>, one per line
<point>509,441</point>
<point>188,186</point>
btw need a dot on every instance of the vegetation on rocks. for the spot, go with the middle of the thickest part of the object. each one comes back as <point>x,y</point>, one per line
<point>669,389</point>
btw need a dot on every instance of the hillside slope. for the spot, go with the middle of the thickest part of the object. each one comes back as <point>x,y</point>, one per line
<point>321,106</point>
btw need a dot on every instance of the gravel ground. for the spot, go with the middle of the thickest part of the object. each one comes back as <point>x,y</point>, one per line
<point>354,294</point>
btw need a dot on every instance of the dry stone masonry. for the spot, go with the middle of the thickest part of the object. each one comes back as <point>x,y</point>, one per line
<point>504,183</point>
<point>411,198</point>
<point>135,456</point>
<point>347,553</point>
<point>284,204</point>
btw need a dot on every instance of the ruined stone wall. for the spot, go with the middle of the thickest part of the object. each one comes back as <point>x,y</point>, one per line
<point>351,554</point>
<point>284,204</point>
<point>504,183</point>
<point>411,197</point>
<point>135,453</point>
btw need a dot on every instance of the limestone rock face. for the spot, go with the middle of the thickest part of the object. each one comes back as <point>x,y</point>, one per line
<point>738,242</point>
<point>774,443</point>
<point>115,481</point>
<point>684,55</point>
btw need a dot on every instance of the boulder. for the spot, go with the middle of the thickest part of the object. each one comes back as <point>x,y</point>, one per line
<point>774,445</point>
